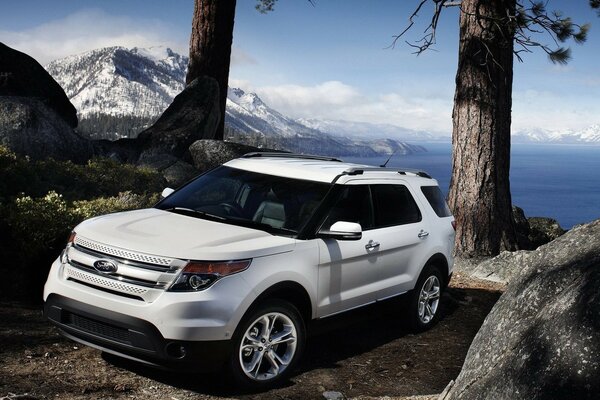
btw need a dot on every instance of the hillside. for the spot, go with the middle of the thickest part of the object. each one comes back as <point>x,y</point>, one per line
<point>118,92</point>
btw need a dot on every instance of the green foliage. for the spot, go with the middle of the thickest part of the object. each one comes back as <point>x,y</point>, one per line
<point>265,6</point>
<point>85,209</point>
<point>38,223</point>
<point>43,223</point>
<point>113,127</point>
<point>42,201</point>
<point>529,24</point>
<point>100,177</point>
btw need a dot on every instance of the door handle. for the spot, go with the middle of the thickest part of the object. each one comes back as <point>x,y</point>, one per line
<point>423,234</point>
<point>371,245</point>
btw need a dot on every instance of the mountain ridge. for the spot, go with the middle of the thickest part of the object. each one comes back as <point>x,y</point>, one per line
<point>125,90</point>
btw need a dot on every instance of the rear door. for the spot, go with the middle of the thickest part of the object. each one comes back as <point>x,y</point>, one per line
<point>404,235</point>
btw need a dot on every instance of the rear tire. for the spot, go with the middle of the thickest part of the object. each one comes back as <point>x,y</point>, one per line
<point>267,345</point>
<point>424,300</point>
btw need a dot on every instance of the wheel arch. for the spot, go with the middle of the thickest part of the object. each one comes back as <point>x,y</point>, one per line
<point>290,291</point>
<point>440,261</point>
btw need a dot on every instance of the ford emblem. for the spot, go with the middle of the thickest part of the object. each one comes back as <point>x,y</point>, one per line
<point>105,266</point>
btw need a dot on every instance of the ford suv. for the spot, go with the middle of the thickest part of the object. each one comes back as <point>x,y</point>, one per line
<point>228,270</point>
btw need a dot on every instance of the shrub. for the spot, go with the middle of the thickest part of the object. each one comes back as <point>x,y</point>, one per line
<point>41,202</point>
<point>37,230</point>
<point>99,177</point>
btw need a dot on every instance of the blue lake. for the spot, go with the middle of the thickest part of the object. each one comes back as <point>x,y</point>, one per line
<point>557,181</point>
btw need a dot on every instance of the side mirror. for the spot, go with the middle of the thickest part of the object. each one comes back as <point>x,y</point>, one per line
<point>166,192</point>
<point>342,230</point>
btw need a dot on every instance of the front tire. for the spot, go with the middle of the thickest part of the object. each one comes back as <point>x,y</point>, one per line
<point>424,303</point>
<point>268,344</point>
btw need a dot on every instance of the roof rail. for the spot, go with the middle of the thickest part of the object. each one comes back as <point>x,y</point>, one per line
<point>402,171</point>
<point>289,155</point>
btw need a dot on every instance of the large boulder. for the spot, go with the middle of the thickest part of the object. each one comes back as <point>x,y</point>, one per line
<point>207,154</point>
<point>543,230</point>
<point>30,127</point>
<point>193,115</point>
<point>542,338</point>
<point>22,76</point>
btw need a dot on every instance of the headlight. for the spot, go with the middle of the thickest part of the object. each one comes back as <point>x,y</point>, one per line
<point>199,275</point>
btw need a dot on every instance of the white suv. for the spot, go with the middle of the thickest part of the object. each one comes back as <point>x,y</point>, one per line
<point>229,269</point>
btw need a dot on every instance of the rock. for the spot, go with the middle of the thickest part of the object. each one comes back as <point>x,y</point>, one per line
<point>501,268</point>
<point>193,115</point>
<point>542,338</point>
<point>179,173</point>
<point>543,230</point>
<point>331,395</point>
<point>207,154</point>
<point>22,76</point>
<point>521,223</point>
<point>29,127</point>
<point>522,229</point>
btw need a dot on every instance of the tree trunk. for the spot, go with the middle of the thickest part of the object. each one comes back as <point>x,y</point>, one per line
<point>210,47</point>
<point>480,189</point>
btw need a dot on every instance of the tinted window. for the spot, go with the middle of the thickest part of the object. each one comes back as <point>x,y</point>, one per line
<point>353,205</point>
<point>436,200</point>
<point>394,205</point>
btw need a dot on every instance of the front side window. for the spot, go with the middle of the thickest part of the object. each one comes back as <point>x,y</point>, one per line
<point>353,205</point>
<point>394,205</point>
<point>248,198</point>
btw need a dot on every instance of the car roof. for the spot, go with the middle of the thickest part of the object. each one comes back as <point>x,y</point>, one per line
<point>316,168</point>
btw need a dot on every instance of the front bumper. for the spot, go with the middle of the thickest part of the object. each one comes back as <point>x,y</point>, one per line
<point>131,337</point>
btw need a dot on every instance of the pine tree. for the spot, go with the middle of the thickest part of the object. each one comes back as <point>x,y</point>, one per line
<point>210,47</point>
<point>492,33</point>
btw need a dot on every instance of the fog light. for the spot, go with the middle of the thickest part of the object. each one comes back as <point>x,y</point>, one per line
<point>176,350</point>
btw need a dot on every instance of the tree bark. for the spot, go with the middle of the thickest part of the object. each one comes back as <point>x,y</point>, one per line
<point>210,47</point>
<point>480,189</point>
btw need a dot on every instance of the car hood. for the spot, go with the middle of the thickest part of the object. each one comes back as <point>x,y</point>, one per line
<point>163,233</point>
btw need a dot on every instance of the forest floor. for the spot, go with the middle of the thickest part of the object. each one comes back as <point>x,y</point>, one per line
<point>364,353</point>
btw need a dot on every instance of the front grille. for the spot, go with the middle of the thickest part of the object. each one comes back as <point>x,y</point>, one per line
<point>105,282</point>
<point>98,328</point>
<point>123,254</point>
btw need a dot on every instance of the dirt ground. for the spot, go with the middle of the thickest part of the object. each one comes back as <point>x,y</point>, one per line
<point>360,354</point>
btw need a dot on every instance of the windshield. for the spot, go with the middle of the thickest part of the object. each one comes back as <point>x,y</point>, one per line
<point>267,202</point>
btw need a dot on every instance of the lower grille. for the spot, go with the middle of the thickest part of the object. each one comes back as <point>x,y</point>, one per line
<point>98,328</point>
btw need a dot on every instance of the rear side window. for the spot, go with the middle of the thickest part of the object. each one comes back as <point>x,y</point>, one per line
<point>436,199</point>
<point>394,205</point>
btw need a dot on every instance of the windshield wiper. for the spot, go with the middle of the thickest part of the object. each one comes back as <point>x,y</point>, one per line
<point>192,212</point>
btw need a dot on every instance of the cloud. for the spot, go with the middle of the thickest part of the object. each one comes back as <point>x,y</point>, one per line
<point>90,29</point>
<point>339,101</point>
<point>549,110</point>
<point>419,110</point>
<point>240,57</point>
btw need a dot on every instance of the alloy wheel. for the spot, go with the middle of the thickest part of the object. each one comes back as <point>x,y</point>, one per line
<point>429,299</point>
<point>268,346</point>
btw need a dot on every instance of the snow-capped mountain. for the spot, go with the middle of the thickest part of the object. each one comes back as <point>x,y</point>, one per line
<point>247,112</point>
<point>589,135</point>
<point>121,82</point>
<point>250,120</point>
<point>120,91</point>
<point>369,130</point>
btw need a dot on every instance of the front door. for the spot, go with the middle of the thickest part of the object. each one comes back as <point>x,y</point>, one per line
<point>348,268</point>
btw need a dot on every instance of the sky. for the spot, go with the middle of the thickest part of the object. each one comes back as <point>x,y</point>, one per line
<point>331,60</point>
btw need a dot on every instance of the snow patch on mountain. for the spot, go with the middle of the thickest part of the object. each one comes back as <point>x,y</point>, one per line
<point>121,82</point>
